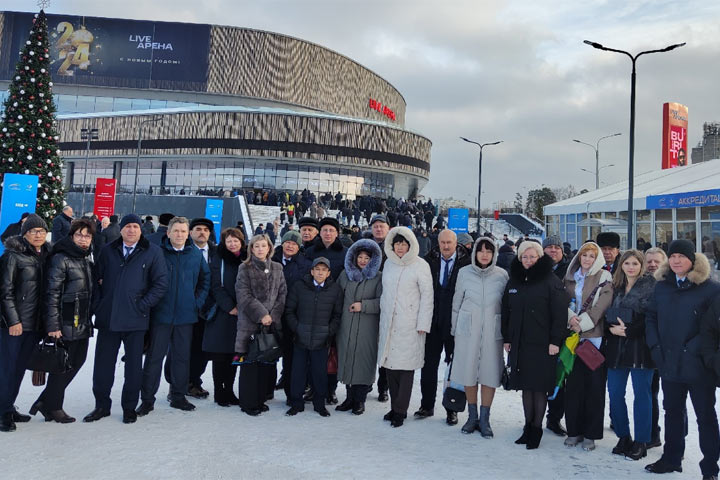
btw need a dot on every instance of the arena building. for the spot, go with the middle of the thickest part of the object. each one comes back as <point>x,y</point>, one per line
<point>219,110</point>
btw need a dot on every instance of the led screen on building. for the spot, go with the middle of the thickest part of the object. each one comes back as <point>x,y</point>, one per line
<point>674,144</point>
<point>116,52</point>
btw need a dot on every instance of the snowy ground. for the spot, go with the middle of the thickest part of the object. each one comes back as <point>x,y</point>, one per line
<point>223,443</point>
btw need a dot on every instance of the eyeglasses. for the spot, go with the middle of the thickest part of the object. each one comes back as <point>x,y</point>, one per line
<point>529,257</point>
<point>37,232</point>
<point>80,236</point>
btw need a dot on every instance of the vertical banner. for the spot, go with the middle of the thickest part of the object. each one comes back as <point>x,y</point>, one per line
<point>674,140</point>
<point>458,219</point>
<point>19,195</point>
<point>104,205</point>
<point>213,212</point>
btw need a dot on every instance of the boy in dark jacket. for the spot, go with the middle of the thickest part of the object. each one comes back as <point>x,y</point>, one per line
<point>312,310</point>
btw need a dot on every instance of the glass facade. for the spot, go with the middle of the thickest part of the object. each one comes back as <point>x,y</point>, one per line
<point>67,104</point>
<point>219,177</point>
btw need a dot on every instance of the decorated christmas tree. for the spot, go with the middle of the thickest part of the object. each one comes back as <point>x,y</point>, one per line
<point>27,124</point>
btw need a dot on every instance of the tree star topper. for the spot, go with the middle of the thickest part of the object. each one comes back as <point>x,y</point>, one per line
<point>43,4</point>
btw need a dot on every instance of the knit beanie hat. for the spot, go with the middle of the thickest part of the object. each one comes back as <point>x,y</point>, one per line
<point>292,236</point>
<point>33,221</point>
<point>552,240</point>
<point>130,218</point>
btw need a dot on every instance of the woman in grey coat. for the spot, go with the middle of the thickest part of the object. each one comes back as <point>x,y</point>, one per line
<point>357,339</point>
<point>260,289</point>
<point>476,326</point>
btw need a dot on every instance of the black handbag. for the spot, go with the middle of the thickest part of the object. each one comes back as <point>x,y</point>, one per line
<point>623,313</point>
<point>505,379</point>
<point>453,399</point>
<point>264,346</point>
<point>51,356</point>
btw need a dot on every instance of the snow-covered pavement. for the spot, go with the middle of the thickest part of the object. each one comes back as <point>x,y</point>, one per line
<point>223,443</point>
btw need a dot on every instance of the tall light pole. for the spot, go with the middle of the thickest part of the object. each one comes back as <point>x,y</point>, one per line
<point>139,147</point>
<point>597,156</point>
<point>89,135</point>
<point>481,145</point>
<point>633,59</point>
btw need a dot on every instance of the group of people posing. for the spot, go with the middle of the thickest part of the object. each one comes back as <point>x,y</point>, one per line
<point>340,313</point>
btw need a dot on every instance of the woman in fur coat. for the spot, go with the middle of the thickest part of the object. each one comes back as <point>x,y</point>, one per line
<point>357,339</point>
<point>534,318</point>
<point>260,290</point>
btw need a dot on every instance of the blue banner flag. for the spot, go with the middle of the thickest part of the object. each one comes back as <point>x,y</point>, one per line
<point>458,219</point>
<point>19,195</point>
<point>213,212</point>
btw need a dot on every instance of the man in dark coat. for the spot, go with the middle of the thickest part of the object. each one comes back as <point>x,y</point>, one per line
<point>202,234</point>
<point>445,263</point>
<point>313,309</point>
<point>132,278</point>
<point>14,228</point>
<point>22,289</point>
<point>328,245</point>
<point>609,243</point>
<point>173,318</point>
<point>61,224</point>
<point>553,248</point>
<point>163,221</point>
<point>112,232</point>
<point>683,293</point>
<point>148,228</point>
<point>429,216</point>
<point>295,267</point>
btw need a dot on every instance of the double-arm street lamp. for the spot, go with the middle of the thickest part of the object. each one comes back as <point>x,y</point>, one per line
<point>596,147</point>
<point>139,148</point>
<point>481,145</point>
<point>88,134</point>
<point>633,59</point>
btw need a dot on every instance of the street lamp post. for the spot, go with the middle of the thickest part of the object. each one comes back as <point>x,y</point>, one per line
<point>597,156</point>
<point>481,145</point>
<point>139,147</point>
<point>89,135</point>
<point>633,59</point>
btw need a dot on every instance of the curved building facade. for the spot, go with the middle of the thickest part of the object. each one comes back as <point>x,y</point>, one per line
<point>234,109</point>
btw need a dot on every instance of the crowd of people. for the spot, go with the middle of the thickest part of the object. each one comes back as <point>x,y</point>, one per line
<point>368,310</point>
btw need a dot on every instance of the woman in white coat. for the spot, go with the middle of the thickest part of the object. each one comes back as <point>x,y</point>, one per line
<point>476,326</point>
<point>406,308</point>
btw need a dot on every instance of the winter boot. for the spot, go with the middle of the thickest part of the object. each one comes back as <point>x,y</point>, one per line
<point>523,440</point>
<point>534,438</point>
<point>637,451</point>
<point>485,429</point>
<point>472,422</point>
<point>623,446</point>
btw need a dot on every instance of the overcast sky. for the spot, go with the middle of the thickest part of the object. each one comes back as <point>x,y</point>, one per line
<point>515,71</point>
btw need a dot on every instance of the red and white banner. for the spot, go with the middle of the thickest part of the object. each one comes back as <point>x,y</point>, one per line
<point>104,197</point>
<point>674,143</point>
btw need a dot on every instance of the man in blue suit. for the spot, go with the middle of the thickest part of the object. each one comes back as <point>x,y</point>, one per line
<point>131,279</point>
